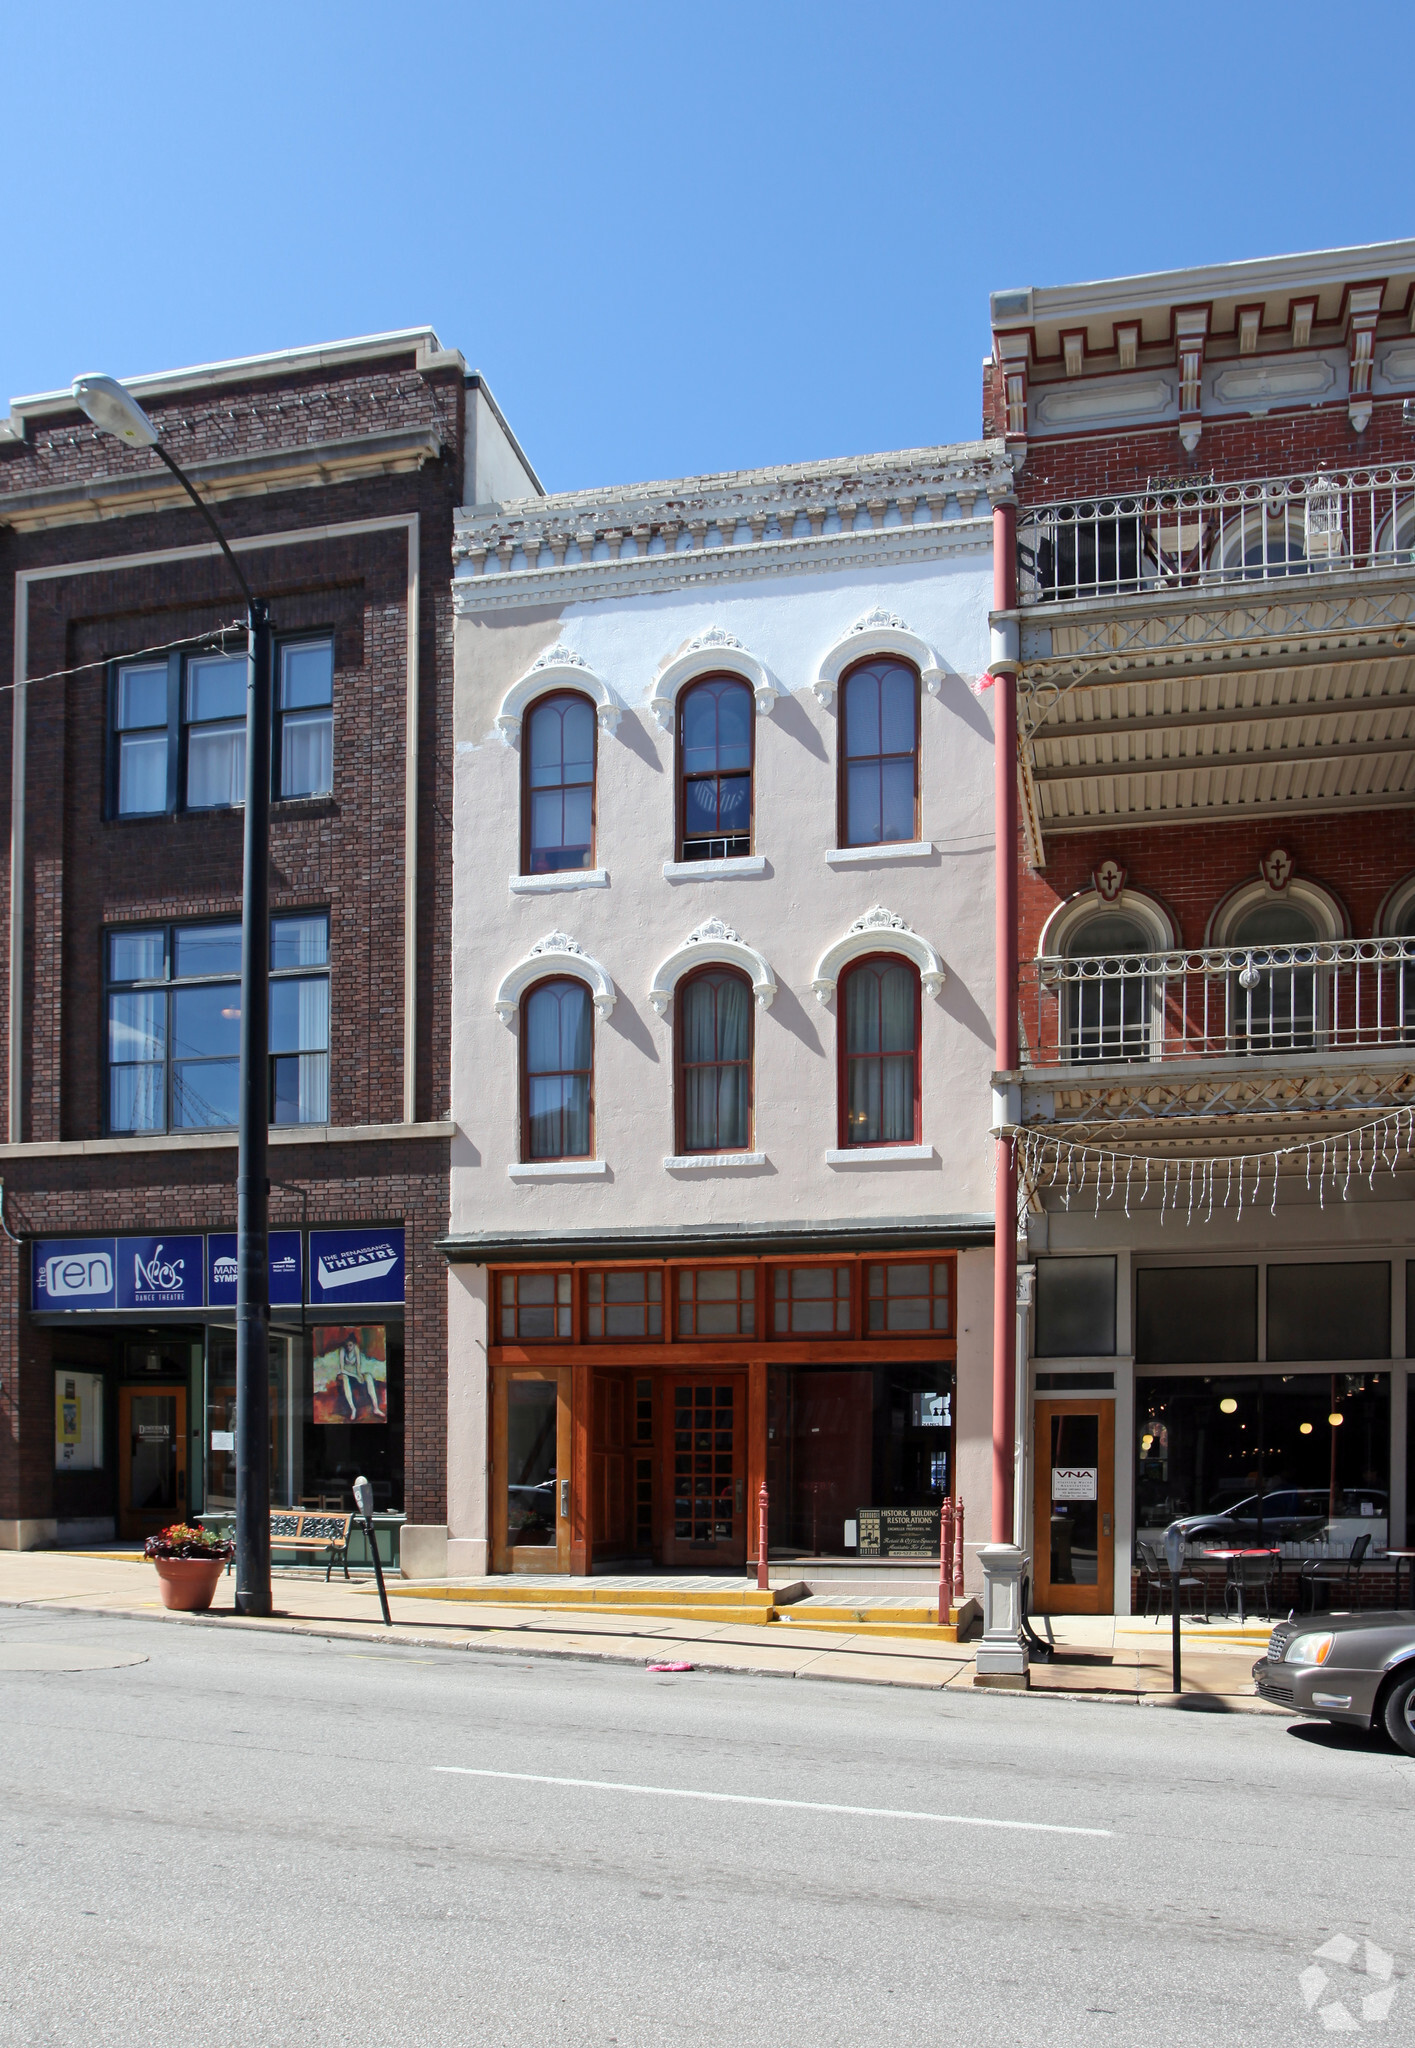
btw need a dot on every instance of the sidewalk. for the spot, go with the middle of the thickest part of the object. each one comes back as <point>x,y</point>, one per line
<point>1103,1658</point>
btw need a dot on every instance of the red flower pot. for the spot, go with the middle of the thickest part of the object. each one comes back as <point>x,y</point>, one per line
<point>189,1584</point>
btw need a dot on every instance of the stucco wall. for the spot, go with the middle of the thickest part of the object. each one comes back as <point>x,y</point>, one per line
<point>790,914</point>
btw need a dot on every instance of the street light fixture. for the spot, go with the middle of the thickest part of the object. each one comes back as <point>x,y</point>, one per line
<point>115,411</point>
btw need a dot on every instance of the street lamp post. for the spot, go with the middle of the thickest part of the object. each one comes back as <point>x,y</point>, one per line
<point>116,412</point>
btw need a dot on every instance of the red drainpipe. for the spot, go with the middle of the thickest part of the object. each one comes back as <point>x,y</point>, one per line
<point>1004,1312</point>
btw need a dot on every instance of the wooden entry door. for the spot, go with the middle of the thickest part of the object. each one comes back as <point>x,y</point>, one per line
<point>530,1469</point>
<point>706,1470</point>
<point>1073,1524</point>
<point>152,1459</point>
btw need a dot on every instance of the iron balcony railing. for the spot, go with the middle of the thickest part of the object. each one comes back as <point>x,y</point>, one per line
<point>1208,535</point>
<point>1218,1002</point>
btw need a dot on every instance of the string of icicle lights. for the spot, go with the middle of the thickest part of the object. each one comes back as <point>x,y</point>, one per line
<point>1198,1186</point>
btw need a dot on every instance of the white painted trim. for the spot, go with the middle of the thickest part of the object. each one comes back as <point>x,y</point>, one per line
<point>879,1155</point>
<point>559,668</point>
<point>1394,904</point>
<point>712,943</point>
<point>407,522</point>
<point>859,856</point>
<point>709,1162</point>
<point>713,653</point>
<point>877,632</point>
<point>224,1139</point>
<point>558,1169</point>
<point>1326,911</point>
<point>878,931</point>
<point>1077,910</point>
<point>565,878</point>
<point>740,865</point>
<point>555,954</point>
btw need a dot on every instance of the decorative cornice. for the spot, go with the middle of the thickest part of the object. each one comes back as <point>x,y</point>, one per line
<point>917,505</point>
<point>556,953</point>
<point>714,652</point>
<point>560,667</point>
<point>712,941</point>
<point>878,931</point>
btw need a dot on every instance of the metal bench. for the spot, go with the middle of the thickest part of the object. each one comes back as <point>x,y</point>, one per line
<point>307,1529</point>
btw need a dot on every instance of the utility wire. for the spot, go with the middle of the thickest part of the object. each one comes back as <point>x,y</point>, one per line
<point>57,675</point>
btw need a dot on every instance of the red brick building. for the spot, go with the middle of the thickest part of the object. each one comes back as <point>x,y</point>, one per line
<point>1207,626</point>
<point>335,472</point>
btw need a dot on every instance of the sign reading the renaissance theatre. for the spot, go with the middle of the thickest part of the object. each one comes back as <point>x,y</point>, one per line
<point>355,1265</point>
<point>899,1532</point>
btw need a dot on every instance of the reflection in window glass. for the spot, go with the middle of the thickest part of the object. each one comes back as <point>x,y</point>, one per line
<point>881,739</point>
<point>532,1423</point>
<point>840,1439</point>
<point>216,731</point>
<point>715,759</point>
<point>558,1049</point>
<point>140,716</point>
<point>206,949</point>
<point>560,740</point>
<point>306,735</point>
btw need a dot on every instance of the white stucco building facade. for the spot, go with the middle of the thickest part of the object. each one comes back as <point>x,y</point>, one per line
<point>723,929</point>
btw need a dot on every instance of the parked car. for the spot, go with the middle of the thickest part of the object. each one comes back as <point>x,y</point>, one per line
<point>1291,1514</point>
<point>1355,1670</point>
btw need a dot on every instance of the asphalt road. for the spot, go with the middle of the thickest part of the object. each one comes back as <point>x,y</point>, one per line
<point>263,1839</point>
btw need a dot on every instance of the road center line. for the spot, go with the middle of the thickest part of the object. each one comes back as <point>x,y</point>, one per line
<point>952,1820</point>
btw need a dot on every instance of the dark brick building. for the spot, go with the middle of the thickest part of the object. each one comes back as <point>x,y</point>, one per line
<point>336,471</point>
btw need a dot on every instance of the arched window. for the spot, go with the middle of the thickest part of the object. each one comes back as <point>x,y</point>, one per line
<point>715,769</point>
<point>714,1011</point>
<point>558,806</point>
<point>1108,1013</point>
<point>879,793</point>
<point>1274,995</point>
<point>557,1067</point>
<point>879,1079</point>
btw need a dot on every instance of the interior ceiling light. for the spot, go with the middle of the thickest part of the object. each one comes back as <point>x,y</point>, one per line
<point>1228,1407</point>
<point>1335,1419</point>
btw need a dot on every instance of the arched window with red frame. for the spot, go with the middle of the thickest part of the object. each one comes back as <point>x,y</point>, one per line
<point>714,1046</point>
<point>558,798</point>
<point>715,730</point>
<point>879,767</point>
<point>879,1067</point>
<point>557,1071</point>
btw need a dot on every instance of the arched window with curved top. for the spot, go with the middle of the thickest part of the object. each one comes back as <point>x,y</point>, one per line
<point>879,1068</point>
<point>715,769</point>
<point>557,1071</point>
<point>714,1016</point>
<point>879,768</point>
<point>1274,995</point>
<point>1109,989</point>
<point>558,805</point>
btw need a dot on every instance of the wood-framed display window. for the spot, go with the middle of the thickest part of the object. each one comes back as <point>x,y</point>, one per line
<point>527,790</point>
<point>570,1286</point>
<point>844,1057</point>
<point>845,834</point>
<point>680,777</point>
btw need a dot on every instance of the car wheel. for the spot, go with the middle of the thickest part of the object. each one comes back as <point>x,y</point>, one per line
<point>1400,1713</point>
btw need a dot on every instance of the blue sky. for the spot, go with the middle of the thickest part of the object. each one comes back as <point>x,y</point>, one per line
<point>674,239</point>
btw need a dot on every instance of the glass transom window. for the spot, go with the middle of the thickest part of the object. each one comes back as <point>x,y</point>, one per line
<point>624,1305</point>
<point>535,1307</point>
<point>811,1301</point>
<point>911,1298</point>
<point>717,1301</point>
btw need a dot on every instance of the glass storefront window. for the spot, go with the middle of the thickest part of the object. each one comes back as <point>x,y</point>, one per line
<point>313,1462</point>
<point>811,1301</point>
<point>624,1305</point>
<point>717,1301</point>
<point>534,1307</point>
<point>1300,1460</point>
<point>839,1440</point>
<point>903,1298</point>
<point>531,1426</point>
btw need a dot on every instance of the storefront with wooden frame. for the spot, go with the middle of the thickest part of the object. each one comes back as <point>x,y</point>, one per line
<point>634,1409</point>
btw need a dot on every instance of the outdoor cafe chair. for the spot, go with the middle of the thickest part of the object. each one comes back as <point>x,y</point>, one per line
<point>1344,1572</point>
<point>1251,1578</point>
<point>1158,1577</point>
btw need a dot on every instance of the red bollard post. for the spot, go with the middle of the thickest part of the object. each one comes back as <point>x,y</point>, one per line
<point>763,1504</point>
<point>958,1552</point>
<point>945,1560</point>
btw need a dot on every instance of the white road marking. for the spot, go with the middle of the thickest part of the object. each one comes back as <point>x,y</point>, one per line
<point>953,1820</point>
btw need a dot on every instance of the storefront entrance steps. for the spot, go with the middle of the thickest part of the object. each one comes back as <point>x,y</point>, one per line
<point>701,1599</point>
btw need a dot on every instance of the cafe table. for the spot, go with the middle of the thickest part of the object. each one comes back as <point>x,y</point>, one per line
<point>1233,1560</point>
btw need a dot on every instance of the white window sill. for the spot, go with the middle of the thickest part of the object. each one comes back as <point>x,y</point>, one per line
<point>566,878</point>
<point>879,1155</point>
<point>891,849</point>
<point>558,1169</point>
<point>711,1162</point>
<point>741,865</point>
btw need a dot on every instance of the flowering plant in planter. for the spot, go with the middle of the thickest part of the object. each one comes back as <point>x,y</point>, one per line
<point>184,1540</point>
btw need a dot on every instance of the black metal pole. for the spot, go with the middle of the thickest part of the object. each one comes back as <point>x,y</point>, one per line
<point>252,1186</point>
<point>370,1532</point>
<point>1175,1673</point>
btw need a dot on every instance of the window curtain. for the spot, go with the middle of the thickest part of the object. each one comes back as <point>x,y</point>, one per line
<point>558,1056</point>
<point>880,1010</point>
<point>313,1025</point>
<point>717,1043</point>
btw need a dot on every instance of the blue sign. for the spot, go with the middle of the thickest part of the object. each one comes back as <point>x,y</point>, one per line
<point>160,1272</point>
<point>355,1266</point>
<point>284,1269</point>
<point>74,1272</point>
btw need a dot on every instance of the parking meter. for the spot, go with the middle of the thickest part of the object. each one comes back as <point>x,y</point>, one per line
<point>363,1501</point>
<point>1174,1554</point>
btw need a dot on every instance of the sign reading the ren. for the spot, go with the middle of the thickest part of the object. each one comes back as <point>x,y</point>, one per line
<point>74,1272</point>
